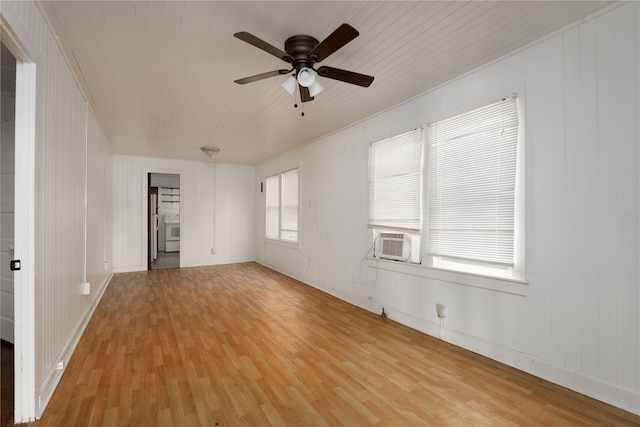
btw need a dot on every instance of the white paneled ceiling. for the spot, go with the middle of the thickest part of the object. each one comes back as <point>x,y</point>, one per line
<point>159,75</point>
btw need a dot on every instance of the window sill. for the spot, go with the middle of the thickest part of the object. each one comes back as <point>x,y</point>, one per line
<point>284,243</point>
<point>497,284</point>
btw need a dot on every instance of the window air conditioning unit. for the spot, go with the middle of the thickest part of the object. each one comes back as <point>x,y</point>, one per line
<point>395,246</point>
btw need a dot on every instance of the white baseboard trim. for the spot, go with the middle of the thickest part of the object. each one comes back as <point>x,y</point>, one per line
<point>52,378</point>
<point>592,387</point>
<point>218,261</point>
<point>627,400</point>
<point>129,269</point>
<point>196,263</point>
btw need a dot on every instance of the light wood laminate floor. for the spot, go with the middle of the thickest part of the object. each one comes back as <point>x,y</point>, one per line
<point>241,345</point>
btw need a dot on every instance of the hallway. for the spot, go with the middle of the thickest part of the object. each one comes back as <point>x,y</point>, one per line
<point>166,260</point>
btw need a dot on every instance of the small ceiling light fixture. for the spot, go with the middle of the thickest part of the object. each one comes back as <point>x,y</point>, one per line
<point>210,151</point>
<point>315,89</point>
<point>290,84</point>
<point>306,76</point>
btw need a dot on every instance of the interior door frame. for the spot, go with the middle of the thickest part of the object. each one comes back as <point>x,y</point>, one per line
<point>150,225</point>
<point>146,183</point>
<point>24,226</point>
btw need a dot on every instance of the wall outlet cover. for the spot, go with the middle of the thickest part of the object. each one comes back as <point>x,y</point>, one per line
<point>85,288</point>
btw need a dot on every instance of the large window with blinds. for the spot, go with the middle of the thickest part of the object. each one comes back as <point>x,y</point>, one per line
<point>472,187</point>
<point>282,206</point>
<point>395,182</point>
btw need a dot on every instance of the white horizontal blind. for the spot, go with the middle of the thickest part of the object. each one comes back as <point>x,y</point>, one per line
<point>395,182</point>
<point>472,184</point>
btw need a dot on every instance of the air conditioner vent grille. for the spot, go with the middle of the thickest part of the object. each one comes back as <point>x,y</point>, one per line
<point>395,246</point>
<point>392,247</point>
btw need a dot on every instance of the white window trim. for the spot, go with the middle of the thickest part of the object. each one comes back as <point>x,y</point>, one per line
<point>514,286</point>
<point>284,243</point>
<point>519,254</point>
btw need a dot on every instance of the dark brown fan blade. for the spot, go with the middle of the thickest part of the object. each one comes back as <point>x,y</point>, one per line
<point>261,76</point>
<point>340,37</point>
<point>304,94</point>
<point>345,76</point>
<point>261,44</point>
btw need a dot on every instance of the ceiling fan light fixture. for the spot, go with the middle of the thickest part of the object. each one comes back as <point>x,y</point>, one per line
<point>302,52</point>
<point>289,84</point>
<point>306,77</point>
<point>315,89</point>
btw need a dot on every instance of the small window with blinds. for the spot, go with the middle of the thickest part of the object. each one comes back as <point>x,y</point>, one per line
<point>472,182</point>
<point>395,182</point>
<point>282,206</point>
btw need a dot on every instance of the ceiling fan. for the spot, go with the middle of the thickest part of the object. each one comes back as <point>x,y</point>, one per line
<point>303,52</point>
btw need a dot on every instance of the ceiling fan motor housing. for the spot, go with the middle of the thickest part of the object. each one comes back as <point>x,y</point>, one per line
<point>299,47</point>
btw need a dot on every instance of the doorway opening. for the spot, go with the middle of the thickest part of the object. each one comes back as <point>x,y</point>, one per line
<point>7,215</point>
<point>164,221</point>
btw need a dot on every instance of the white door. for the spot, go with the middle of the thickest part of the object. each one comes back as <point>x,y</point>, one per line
<point>23,230</point>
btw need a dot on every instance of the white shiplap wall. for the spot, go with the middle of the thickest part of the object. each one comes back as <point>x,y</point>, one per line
<point>99,203</point>
<point>576,322</point>
<point>216,211</point>
<point>72,211</point>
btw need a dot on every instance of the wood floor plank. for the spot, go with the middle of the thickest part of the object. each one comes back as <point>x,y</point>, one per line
<point>242,345</point>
